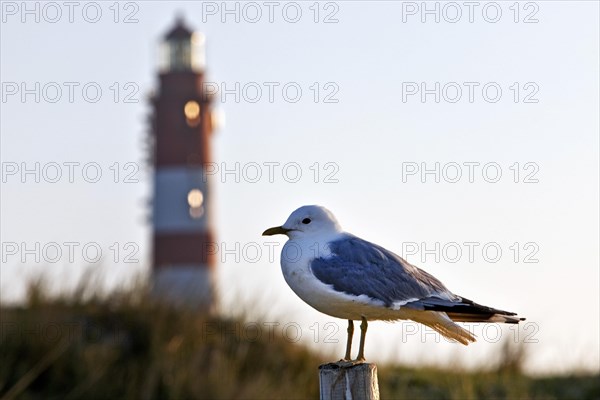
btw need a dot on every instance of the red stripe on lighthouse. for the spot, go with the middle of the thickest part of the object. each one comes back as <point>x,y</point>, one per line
<point>184,248</point>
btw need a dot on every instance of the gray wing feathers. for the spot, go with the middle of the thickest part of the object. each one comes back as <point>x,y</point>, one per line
<point>359,267</point>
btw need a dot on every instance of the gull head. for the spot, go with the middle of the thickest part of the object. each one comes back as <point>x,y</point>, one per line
<point>307,221</point>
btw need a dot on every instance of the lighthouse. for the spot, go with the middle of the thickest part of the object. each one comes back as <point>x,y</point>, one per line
<point>183,263</point>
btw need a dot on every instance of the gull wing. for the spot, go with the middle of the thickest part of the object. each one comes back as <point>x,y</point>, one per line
<point>359,268</point>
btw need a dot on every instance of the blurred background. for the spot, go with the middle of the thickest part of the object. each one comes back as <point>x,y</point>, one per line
<point>145,146</point>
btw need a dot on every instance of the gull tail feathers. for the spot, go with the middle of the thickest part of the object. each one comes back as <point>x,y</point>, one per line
<point>465,310</point>
<point>501,318</point>
<point>441,323</point>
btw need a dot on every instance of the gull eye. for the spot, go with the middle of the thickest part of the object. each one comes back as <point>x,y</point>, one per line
<point>306,221</point>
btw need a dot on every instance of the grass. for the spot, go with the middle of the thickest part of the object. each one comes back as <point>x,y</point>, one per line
<point>125,345</point>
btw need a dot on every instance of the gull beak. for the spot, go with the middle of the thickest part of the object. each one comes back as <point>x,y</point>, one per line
<point>278,230</point>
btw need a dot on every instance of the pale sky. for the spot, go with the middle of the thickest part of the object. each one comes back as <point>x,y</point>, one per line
<point>519,98</point>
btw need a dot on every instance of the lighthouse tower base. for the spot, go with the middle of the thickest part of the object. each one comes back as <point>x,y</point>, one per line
<point>190,286</point>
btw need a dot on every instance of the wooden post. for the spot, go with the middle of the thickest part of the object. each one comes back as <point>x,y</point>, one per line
<point>348,381</point>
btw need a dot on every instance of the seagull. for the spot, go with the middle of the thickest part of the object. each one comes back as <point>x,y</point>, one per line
<point>346,277</point>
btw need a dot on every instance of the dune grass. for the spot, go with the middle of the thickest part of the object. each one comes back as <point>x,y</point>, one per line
<point>87,345</point>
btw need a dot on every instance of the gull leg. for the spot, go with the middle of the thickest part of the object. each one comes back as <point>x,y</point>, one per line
<point>363,334</point>
<point>349,342</point>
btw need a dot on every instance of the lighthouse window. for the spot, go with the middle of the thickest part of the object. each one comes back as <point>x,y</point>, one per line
<point>192,113</point>
<point>195,200</point>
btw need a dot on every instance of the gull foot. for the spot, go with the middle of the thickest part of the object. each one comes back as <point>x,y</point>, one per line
<point>348,363</point>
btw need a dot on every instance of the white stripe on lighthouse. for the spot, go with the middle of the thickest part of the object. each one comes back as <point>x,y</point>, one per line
<point>171,208</point>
